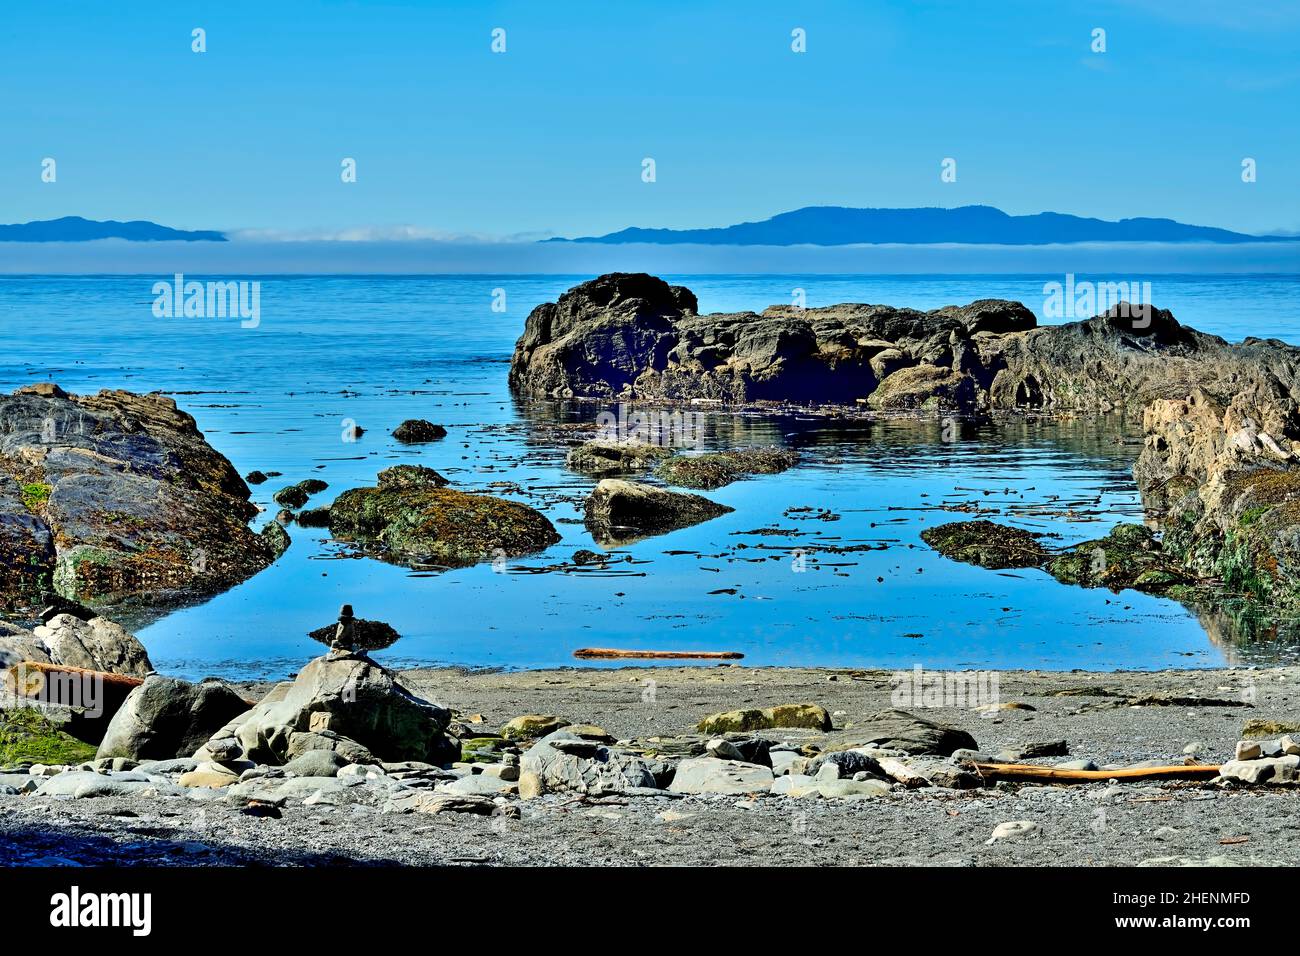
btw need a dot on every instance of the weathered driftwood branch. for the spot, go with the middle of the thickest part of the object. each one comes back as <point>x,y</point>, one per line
<point>1017,771</point>
<point>22,677</point>
<point>618,653</point>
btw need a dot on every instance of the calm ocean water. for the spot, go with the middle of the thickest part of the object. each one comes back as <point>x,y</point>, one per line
<point>377,350</point>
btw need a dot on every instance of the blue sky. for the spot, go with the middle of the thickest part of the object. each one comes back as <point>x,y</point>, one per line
<point>548,138</point>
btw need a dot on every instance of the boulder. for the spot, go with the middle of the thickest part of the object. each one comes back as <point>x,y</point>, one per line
<point>19,644</point>
<point>809,716</point>
<point>900,730</point>
<point>532,726</point>
<point>618,511</point>
<point>349,750</point>
<point>316,763</point>
<point>564,761</point>
<point>97,645</point>
<point>1271,770</point>
<point>166,717</point>
<point>209,775</point>
<point>353,697</point>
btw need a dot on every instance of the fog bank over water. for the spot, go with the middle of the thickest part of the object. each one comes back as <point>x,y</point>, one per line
<point>432,257</point>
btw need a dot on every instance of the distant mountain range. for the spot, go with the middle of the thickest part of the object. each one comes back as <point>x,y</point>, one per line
<point>977,225</point>
<point>77,229</point>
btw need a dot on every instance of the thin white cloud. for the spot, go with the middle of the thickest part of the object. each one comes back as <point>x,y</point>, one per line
<point>401,233</point>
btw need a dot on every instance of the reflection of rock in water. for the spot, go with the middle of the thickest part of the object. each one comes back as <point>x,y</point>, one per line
<point>1247,632</point>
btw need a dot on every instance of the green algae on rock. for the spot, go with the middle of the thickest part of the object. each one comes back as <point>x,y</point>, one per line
<point>425,524</point>
<point>987,544</point>
<point>716,469</point>
<point>28,737</point>
<point>809,716</point>
<point>1129,556</point>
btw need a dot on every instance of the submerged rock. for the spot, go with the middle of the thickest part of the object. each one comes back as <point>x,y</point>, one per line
<point>427,524</point>
<point>295,496</point>
<point>722,468</point>
<point>116,494</point>
<point>1129,556</point>
<point>618,511</point>
<point>411,476</point>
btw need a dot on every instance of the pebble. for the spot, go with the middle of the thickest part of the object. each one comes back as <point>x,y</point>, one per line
<point>1194,748</point>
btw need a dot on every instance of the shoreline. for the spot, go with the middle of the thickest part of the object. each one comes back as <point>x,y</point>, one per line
<point>1098,824</point>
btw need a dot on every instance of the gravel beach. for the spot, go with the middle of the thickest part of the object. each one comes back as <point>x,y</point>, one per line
<point>1118,718</point>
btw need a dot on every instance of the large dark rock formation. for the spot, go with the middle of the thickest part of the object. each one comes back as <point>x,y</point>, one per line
<point>634,336</point>
<point>116,494</point>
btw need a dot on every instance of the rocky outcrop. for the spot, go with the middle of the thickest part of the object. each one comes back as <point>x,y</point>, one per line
<point>1222,478</point>
<point>634,336</point>
<point>410,519</point>
<point>618,511</point>
<point>114,495</point>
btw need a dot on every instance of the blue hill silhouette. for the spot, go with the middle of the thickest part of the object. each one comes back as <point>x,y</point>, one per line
<point>77,229</point>
<point>842,225</point>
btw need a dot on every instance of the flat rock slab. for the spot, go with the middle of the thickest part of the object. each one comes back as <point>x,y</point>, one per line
<point>423,802</point>
<point>710,775</point>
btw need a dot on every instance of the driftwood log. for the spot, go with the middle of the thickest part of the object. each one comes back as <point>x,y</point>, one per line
<point>1031,772</point>
<point>613,653</point>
